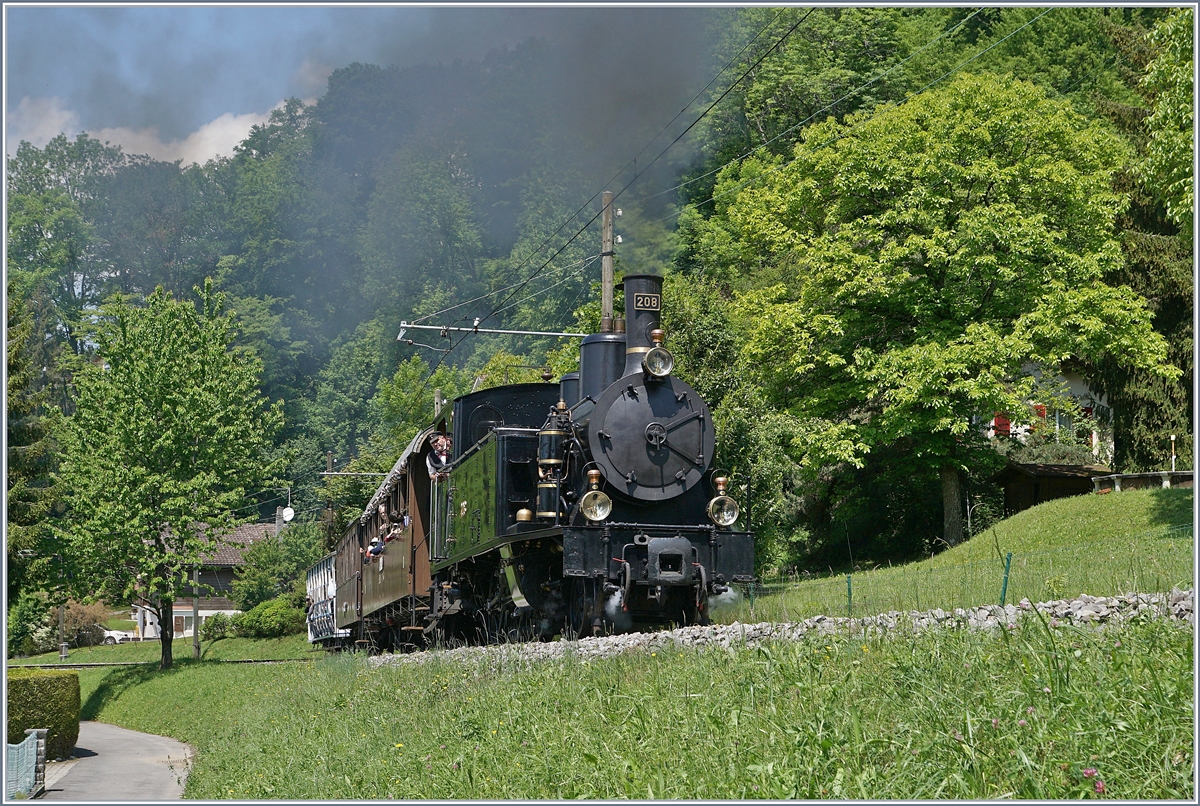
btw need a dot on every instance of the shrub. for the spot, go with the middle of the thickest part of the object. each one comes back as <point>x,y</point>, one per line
<point>29,630</point>
<point>44,699</point>
<point>85,622</point>
<point>216,627</point>
<point>272,619</point>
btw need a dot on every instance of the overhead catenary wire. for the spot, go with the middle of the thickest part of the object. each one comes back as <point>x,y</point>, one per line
<point>659,156</point>
<point>825,108</point>
<point>627,185</point>
<point>631,162</point>
<point>856,125</point>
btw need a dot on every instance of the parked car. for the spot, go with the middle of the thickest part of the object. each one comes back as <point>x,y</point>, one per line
<point>117,636</point>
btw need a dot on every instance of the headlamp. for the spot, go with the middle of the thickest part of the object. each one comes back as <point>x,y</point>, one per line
<point>659,362</point>
<point>595,504</point>
<point>723,510</point>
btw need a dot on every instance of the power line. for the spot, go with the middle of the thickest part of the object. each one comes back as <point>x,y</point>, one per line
<point>633,161</point>
<point>825,108</point>
<point>617,195</point>
<point>636,176</point>
<point>845,133</point>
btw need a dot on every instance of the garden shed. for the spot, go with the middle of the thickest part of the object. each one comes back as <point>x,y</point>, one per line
<point>1026,485</point>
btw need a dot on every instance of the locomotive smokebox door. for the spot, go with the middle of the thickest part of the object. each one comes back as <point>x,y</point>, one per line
<point>652,438</point>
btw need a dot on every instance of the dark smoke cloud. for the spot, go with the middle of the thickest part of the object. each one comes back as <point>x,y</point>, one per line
<point>178,68</point>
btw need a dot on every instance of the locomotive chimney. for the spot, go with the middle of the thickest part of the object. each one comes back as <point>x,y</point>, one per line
<point>643,304</point>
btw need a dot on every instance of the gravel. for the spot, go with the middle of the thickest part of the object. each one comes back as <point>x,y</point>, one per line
<point>1178,605</point>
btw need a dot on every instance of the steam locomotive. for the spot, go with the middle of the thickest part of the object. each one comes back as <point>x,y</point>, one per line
<point>530,510</point>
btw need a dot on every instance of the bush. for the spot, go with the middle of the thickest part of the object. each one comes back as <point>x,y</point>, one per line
<point>44,699</point>
<point>29,630</point>
<point>84,623</point>
<point>273,619</point>
<point>216,627</point>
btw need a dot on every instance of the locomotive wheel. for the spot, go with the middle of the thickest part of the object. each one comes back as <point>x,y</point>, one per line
<point>581,610</point>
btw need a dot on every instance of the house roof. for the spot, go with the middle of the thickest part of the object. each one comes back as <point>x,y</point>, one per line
<point>231,547</point>
<point>1051,471</point>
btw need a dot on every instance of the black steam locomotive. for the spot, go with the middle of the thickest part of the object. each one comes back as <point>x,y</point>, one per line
<point>529,510</point>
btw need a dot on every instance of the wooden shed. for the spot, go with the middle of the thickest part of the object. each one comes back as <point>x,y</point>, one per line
<point>1026,485</point>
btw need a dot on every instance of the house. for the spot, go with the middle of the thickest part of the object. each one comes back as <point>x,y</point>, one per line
<point>1026,485</point>
<point>217,571</point>
<point>1073,385</point>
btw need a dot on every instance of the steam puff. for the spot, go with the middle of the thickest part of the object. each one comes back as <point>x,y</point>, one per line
<point>727,599</point>
<point>38,120</point>
<point>620,619</point>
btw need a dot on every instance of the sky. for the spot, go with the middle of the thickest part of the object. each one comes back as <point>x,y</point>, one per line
<point>187,83</point>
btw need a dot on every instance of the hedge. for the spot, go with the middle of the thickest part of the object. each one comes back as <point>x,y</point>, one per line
<point>40,698</point>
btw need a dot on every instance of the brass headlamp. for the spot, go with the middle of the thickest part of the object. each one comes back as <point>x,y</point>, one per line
<point>595,504</point>
<point>723,510</point>
<point>658,361</point>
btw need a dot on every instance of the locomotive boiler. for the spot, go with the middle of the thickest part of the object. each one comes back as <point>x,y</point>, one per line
<point>583,507</point>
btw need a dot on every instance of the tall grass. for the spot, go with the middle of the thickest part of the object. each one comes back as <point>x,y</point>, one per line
<point>1136,541</point>
<point>954,714</point>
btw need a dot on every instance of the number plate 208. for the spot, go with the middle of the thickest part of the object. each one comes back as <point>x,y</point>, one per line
<point>647,302</point>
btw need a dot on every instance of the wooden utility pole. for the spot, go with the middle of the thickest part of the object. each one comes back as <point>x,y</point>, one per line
<point>606,263</point>
<point>196,612</point>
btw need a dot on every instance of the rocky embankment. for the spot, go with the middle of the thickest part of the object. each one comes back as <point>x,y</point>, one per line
<point>1091,610</point>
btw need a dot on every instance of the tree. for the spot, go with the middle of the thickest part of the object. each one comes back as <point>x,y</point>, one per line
<point>1146,409</point>
<point>169,435</point>
<point>907,270</point>
<point>31,456</point>
<point>272,567</point>
<point>1171,79</point>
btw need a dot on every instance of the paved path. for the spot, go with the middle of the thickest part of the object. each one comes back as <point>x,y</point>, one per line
<point>120,765</point>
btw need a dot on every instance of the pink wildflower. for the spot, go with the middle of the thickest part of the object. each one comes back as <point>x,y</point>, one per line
<point>995,723</point>
<point>1090,772</point>
<point>1099,787</point>
<point>1022,722</point>
<point>1029,710</point>
<point>1046,690</point>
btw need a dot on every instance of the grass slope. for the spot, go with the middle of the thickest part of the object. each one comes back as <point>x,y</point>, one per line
<point>292,646</point>
<point>1134,541</point>
<point>951,715</point>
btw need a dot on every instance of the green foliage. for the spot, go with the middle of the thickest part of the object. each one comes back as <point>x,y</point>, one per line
<point>28,625</point>
<point>216,627</point>
<point>909,266</point>
<point>31,492</point>
<point>44,699</point>
<point>170,432</point>
<point>272,619</point>
<point>272,567</point>
<point>291,647</point>
<point>1146,409</point>
<point>1171,80</point>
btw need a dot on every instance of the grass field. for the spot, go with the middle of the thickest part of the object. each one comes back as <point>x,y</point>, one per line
<point>292,646</point>
<point>951,715</point>
<point>1038,712</point>
<point>1134,541</point>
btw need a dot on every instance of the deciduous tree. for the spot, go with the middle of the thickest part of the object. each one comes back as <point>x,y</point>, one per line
<point>169,435</point>
<point>915,265</point>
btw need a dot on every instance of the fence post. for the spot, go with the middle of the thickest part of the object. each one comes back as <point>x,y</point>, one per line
<point>849,598</point>
<point>39,773</point>
<point>752,598</point>
<point>1004,586</point>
